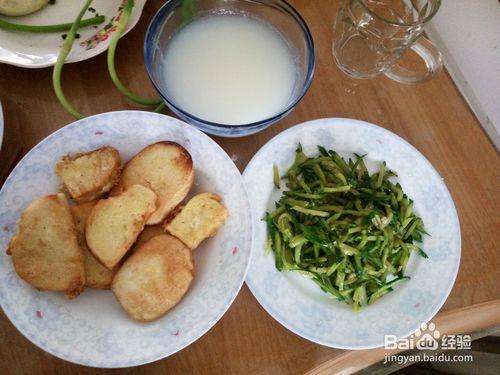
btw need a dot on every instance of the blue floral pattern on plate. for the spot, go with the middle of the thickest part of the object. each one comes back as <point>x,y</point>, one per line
<point>296,302</point>
<point>93,329</point>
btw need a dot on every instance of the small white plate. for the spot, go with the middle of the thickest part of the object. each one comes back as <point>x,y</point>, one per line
<point>93,329</point>
<point>299,304</point>
<point>36,50</point>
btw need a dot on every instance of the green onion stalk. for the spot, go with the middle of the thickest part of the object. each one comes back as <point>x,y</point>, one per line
<point>65,50</point>
<point>6,25</point>
<point>120,27</point>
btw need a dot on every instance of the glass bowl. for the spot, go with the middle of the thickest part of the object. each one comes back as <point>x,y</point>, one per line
<point>279,14</point>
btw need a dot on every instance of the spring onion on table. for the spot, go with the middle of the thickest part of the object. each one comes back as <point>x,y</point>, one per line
<point>115,37</point>
<point>6,25</point>
<point>65,50</point>
<point>351,232</point>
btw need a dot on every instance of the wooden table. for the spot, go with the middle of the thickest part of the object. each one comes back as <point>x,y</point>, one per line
<point>431,116</point>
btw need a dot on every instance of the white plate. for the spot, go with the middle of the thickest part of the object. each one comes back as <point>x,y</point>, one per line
<point>36,50</point>
<point>299,304</point>
<point>93,329</point>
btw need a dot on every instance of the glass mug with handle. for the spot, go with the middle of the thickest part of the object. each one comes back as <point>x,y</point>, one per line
<point>371,36</point>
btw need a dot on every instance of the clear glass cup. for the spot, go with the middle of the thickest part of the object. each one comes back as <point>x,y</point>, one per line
<point>371,36</point>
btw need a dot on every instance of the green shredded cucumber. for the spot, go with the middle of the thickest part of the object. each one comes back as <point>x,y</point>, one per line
<point>351,232</point>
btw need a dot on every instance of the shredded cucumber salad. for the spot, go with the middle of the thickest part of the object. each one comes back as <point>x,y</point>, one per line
<point>351,232</point>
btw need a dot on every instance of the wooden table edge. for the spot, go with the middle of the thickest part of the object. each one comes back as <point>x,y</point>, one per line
<point>459,321</point>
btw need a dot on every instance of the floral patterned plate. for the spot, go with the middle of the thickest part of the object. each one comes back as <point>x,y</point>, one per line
<point>34,50</point>
<point>299,304</point>
<point>93,329</point>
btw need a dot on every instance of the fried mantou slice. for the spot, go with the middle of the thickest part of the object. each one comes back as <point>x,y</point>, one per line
<point>45,250</point>
<point>88,176</point>
<point>149,232</point>
<point>155,278</point>
<point>201,218</point>
<point>164,167</point>
<point>115,223</point>
<point>96,275</point>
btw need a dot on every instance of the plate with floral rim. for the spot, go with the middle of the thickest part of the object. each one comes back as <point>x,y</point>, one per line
<point>39,50</point>
<point>93,329</point>
<point>296,301</point>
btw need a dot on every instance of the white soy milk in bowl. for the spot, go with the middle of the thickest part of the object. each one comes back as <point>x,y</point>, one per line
<point>229,69</point>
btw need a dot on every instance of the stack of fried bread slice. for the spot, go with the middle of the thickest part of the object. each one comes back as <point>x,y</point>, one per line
<point>138,241</point>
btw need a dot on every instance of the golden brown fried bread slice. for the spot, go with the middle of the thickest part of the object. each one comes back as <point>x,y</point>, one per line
<point>87,176</point>
<point>96,275</point>
<point>154,278</point>
<point>149,232</point>
<point>115,223</point>
<point>45,249</point>
<point>164,167</point>
<point>202,216</point>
